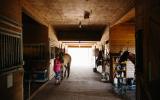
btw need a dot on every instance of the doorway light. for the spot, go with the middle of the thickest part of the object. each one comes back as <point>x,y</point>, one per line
<point>80,25</point>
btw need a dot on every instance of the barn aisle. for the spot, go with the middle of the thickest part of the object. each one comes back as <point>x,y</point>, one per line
<point>83,84</point>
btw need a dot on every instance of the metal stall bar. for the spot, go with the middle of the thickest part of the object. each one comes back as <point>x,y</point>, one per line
<point>4,56</point>
<point>6,50</point>
<point>37,52</point>
<point>12,54</point>
<point>18,51</point>
<point>40,53</point>
<point>43,53</point>
<point>21,50</point>
<point>1,61</point>
<point>11,50</point>
<point>15,61</point>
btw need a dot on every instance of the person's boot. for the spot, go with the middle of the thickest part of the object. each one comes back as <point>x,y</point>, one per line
<point>56,82</point>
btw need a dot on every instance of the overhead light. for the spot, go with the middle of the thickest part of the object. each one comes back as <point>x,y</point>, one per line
<point>80,25</point>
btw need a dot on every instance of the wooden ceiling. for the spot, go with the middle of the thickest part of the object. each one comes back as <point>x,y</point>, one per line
<point>99,13</point>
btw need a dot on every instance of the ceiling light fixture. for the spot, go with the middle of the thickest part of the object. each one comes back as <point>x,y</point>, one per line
<point>80,25</point>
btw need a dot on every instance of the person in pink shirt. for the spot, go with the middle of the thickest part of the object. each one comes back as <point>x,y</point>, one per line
<point>57,69</point>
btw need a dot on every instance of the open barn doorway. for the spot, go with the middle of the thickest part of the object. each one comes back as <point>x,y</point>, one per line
<point>82,57</point>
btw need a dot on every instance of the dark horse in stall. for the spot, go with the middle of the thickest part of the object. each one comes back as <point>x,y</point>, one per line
<point>102,59</point>
<point>127,55</point>
<point>99,58</point>
<point>123,57</point>
<point>98,61</point>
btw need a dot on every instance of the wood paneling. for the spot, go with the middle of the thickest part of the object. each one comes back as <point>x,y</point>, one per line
<point>127,17</point>
<point>11,50</point>
<point>60,13</point>
<point>148,20</point>
<point>34,32</point>
<point>70,12</point>
<point>29,10</point>
<point>14,92</point>
<point>122,36</point>
<point>36,53</point>
<point>52,37</point>
<point>11,9</point>
<point>36,43</point>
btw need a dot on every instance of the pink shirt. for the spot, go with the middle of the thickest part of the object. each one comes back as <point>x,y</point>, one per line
<point>57,65</point>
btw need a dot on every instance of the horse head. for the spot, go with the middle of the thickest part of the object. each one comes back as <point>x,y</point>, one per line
<point>124,56</point>
<point>127,55</point>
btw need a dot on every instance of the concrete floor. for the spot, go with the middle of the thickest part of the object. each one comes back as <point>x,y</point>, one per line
<point>83,84</point>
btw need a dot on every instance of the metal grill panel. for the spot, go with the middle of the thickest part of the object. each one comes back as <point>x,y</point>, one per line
<point>10,51</point>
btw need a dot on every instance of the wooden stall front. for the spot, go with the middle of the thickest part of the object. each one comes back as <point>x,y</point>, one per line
<point>11,58</point>
<point>148,55</point>
<point>36,54</point>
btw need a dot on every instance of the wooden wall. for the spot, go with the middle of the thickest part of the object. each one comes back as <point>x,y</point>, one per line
<point>49,37</point>
<point>8,7</point>
<point>148,31</point>
<point>12,86</point>
<point>33,31</point>
<point>52,37</point>
<point>105,36</point>
<point>11,33</point>
<point>29,10</point>
<point>35,42</point>
<point>39,42</point>
<point>53,43</point>
<point>10,30</point>
<point>122,36</point>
